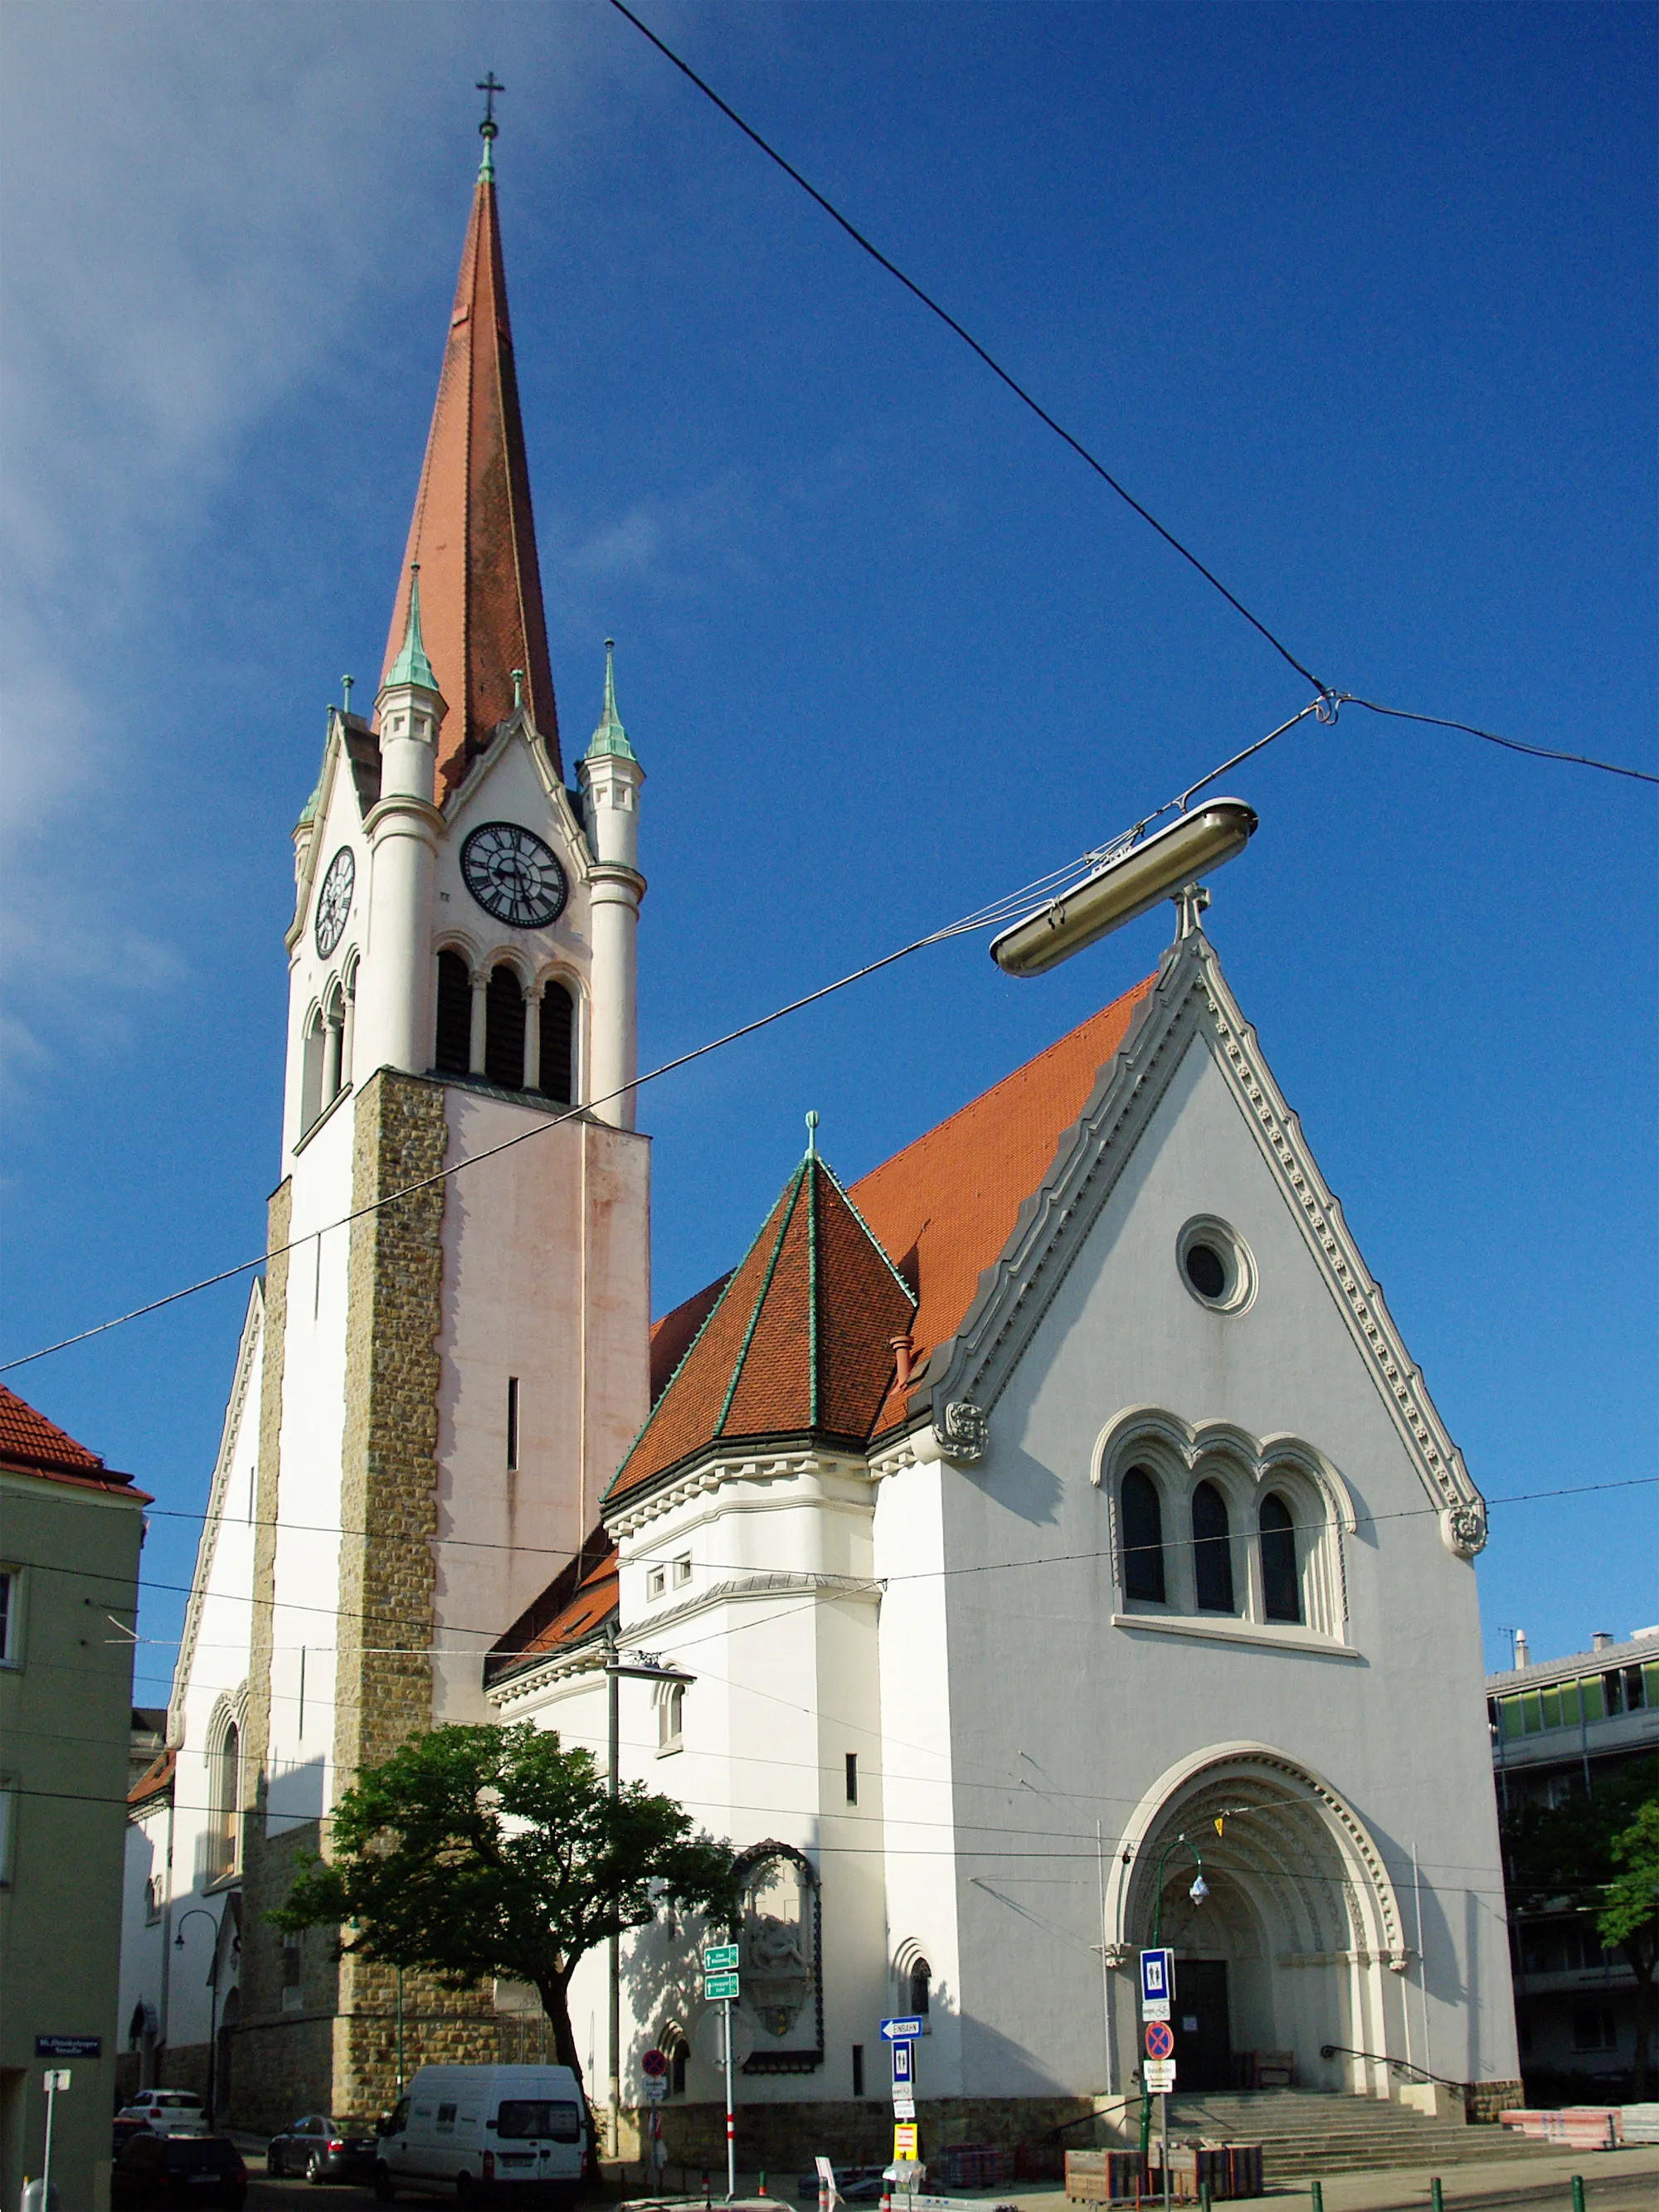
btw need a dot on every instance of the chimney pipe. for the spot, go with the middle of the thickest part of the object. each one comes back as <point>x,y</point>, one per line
<point>1522,1658</point>
<point>1600,1641</point>
<point>904,1350</point>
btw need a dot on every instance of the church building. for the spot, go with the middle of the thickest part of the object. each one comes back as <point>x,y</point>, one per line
<point>1044,1545</point>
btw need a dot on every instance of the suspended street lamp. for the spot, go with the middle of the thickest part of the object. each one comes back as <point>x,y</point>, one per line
<point>1127,884</point>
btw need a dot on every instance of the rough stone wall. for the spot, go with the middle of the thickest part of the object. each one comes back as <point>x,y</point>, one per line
<point>786,2138</point>
<point>1484,2100</point>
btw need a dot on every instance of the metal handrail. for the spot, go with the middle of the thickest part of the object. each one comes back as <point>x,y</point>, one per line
<point>1399,2065</point>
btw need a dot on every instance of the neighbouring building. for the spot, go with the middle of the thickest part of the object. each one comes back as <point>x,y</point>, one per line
<point>70,1531</point>
<point>1558,1727</point>
<point>1053,1508</point>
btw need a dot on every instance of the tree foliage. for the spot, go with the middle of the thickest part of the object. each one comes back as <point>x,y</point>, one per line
<point>1598,1854</point>
<point>479,1851</point>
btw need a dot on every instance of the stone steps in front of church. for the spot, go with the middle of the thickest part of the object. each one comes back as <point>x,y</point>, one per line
<point>1308,2133</point>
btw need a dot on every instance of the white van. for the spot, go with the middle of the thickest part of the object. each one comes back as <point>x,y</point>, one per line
<point>485,2132</point>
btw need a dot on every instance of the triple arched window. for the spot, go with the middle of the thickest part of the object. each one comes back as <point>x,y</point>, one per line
<point>490,1025</point>
<point>1208,1579</point>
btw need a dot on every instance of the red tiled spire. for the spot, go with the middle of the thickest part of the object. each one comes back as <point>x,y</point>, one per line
<point>472,533</point>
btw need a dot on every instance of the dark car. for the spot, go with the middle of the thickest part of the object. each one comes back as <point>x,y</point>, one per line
<point>125,2132</point>
<point>157,2170</point>
<point>324,2149</point>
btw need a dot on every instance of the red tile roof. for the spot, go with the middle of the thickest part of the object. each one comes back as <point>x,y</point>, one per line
<point>154,1780</point>
<point>589,1606</point>
<point>799,1342</point>
<point>31,1444</point>
<point>472,532</point>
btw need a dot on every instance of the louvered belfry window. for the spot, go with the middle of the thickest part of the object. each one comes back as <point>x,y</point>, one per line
<point>453,1054</point>
<point>557,1026</point>
<point>504,1029</point>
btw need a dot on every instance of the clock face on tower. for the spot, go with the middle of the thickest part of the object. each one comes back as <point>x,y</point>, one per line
<point>334,901</point>
<point>513,876</point>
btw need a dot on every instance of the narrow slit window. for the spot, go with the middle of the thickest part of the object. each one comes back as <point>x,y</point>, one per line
<point>452,1049</point>
<point>1212,1551</point>
<point>504,1013</point>
<point>558,1027</point>
<point>1281,1583</point>
<point>858,2069</point>
<point>851,1777</point>
<point>1143,1537</point>
<point>512,1423</point>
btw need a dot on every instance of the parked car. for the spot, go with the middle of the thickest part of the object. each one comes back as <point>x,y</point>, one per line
<point>124,2131</point>
<point>168,2112</point>
<point>176,2169</point>
<point>324,2149</point>
<point>504,2131</point>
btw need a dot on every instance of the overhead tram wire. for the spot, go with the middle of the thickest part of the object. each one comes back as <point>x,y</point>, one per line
<point>1331,698</point>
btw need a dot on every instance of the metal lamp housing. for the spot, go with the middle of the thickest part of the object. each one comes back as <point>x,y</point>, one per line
<point>1190,847</point>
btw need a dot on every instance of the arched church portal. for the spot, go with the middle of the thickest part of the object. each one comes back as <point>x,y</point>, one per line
<point>1296,1942</point>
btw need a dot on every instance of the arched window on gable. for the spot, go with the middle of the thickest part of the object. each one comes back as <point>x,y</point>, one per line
<point>1281,1580</point>
<point>504,1029</point>
<point>1143,1536</point>
<point>558,1026</point>
<point>452,1049</point>
<point>224,1779</point>
<point>921,1988</point>
<point>1212,1551</point>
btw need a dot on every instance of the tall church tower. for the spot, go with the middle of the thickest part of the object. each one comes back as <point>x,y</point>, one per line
<point>456,1350</point>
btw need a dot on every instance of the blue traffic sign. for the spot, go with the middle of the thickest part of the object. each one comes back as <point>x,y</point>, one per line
<point>1157,1981</point>
<point>904,2070</point>
<point>902,2031</point>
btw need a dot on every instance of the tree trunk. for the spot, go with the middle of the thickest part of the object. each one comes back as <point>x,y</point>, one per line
<point>555,2005</point>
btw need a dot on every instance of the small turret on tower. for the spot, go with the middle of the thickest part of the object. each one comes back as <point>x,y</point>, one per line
<point>611,778</point>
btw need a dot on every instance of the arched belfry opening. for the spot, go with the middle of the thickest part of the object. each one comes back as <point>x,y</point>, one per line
<point>1294,1940</point>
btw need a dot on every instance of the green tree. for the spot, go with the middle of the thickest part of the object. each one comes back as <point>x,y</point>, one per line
<point>1598,1855</point>
<point>477,1851</point>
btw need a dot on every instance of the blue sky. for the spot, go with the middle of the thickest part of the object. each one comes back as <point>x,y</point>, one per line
<point>1360,300</point>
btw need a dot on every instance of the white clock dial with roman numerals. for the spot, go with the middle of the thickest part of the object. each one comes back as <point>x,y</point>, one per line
<point>334,901</point>
<point>513,875</point>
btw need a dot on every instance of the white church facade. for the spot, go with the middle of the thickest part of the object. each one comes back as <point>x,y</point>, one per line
<point>1048,1519</point>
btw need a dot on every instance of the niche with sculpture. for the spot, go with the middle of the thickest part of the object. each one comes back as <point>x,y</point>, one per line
<point>782,1973</point>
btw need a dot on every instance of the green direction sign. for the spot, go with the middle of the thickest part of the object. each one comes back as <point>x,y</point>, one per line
<point>720,1958</point>
<point>715,1986</point>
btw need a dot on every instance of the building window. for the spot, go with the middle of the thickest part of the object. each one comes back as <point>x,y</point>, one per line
<point>1143,1537</point>
<point>9,1638</point>
<point>921,1988</point>
<point>558,1026</point>
<point>1212,1551</point>
<point>671,1716</point>
<point>682,1570</point>
<point>851,1777</point>
<point>656,1582</point>
<point>1281,1584</point>
<point>311,1100</point>
<point>224,1775</point>
<point>512,1423</point>
<point>453,1051</point>
<point>858,2069</point>
<point>1593,2028</point>
<point>504,1029</point>
<point>679,2052</point>
<point>152,1899</point>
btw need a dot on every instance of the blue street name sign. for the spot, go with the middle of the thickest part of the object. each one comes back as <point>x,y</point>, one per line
<point>902,2031</point>
<point>69,2046</point>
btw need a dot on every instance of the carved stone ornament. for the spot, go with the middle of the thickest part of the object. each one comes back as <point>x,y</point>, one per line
<point>964,1433</point>
<point>1463,1529</point>
<point>1116,1956</point>
<point>782,1983</point>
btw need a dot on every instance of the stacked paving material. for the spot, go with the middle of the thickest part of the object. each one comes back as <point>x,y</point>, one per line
<point>1576,2127</point>
<point>970,2165</point>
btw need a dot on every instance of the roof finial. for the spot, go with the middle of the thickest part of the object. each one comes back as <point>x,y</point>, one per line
<point>346,682</point>
<point>811,1133</point>
<point>609,737</point>
<point>518,690</point>
<point>488,129</point>
<point>412,666</point>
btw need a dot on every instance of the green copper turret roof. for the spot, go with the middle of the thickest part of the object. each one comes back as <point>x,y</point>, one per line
<point>609,737</point>
<point>412,666</point>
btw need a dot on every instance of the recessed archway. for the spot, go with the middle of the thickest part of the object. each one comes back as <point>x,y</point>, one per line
<point>1296,1942</point>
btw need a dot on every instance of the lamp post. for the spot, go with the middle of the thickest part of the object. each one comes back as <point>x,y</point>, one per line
<point>1198,1892</point>
<point>201,1911</point>
<point>642,1668</point>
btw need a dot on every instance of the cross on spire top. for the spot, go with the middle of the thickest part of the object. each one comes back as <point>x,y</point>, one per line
<point>488,129</point>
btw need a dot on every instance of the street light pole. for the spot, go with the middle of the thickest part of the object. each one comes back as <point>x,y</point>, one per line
<point>213,2007</point>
